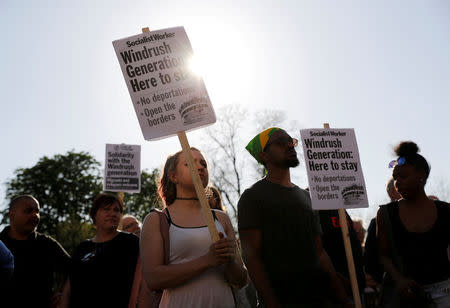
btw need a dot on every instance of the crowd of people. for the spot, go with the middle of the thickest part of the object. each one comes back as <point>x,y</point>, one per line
<point>284,254</point>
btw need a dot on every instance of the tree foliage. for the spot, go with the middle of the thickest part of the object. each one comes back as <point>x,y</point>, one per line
<point>140,204</point>
<point>65,186</point>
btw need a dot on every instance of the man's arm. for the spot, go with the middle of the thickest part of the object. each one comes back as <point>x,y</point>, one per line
<point>65,298</point>
<point>251,252</point>
<point>327,266</point>
<point>132,303</point>
<point>61,267</point>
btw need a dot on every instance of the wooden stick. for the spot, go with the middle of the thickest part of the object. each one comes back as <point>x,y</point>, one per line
<point>206,209</point>
<point>348,252</point>
<point>121,197</point>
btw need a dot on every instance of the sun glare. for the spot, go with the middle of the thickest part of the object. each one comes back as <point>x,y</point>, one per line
<point>226,71</point>
<point>195,66</point>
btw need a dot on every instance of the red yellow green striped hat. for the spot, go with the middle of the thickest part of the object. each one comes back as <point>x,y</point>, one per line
<point>258,143</point>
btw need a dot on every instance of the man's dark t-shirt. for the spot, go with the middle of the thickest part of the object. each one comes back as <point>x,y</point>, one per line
<point>288,228</point>
<point>36,260</point>
<point>102,273</point>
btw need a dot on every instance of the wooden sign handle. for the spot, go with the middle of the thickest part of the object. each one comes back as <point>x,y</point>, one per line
<point>348,252</point>
<point>199,189</point>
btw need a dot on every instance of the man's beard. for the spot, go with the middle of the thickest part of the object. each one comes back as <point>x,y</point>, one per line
<point>292,162</point>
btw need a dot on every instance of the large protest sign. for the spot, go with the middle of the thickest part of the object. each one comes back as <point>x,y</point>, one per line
<point>334,170</point>
<point>166,95</point>
<point>122,168</point>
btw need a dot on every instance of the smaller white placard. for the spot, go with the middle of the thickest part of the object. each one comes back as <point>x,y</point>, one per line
<point>334,170</point>
<point>122,168</point>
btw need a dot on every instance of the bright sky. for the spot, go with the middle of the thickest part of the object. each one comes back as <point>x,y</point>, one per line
<point>381,68</point>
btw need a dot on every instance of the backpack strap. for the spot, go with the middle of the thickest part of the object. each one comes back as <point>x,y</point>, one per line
<point>151,298</point>
<point>164,229</point>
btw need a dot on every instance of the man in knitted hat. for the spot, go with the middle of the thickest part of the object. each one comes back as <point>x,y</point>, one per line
<point>280,233</point>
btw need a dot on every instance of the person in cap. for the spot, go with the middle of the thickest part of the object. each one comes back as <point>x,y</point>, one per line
<point>37,257</point>
<point>280,233</point>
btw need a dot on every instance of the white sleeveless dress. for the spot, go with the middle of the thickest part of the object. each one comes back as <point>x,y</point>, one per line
<point>207,290</point>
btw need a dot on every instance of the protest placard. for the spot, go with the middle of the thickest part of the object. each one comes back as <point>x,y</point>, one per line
<point>167,97</point>
<point>335,180</point>
<point>122,168</point>
<point>334,170</point>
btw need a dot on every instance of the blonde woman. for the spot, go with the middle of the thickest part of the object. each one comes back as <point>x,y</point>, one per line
<point>199,272</point>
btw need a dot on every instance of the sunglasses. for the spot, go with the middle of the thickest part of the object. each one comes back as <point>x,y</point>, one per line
<point>397,162</point>
<point>284,141</point>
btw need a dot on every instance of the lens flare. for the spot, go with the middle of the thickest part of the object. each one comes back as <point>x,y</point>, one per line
<point>196,67</point>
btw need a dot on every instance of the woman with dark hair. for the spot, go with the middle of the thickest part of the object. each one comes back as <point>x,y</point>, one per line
<point>413,235</point>
<point>199,272</point>
<point>103,267</point>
